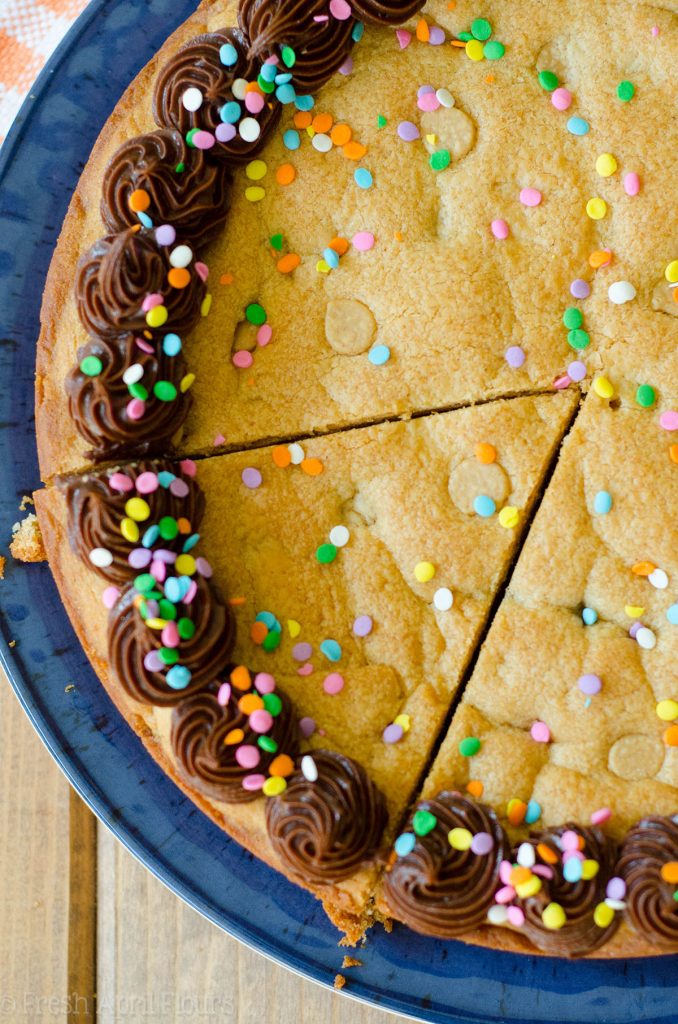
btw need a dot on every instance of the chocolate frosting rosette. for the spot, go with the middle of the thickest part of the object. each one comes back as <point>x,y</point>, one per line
<point>649,867</point>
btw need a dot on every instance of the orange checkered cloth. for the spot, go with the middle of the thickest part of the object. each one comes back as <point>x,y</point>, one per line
<point>29,32</point>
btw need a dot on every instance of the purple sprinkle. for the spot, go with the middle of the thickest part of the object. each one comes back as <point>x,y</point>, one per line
<point>163,555</point>
<point>634,629</point>
<point>153,609</point>
<point>590,684</point>
<point>179,488</point>
<point>203,567</point>
<point>616,888</point>
<point>165,235</point>
<point>251,478</point>
<point>347,67</point>
<point>482,843</point>
<point>392,733</point>
<point>225,132</point>
<point>580,289</point>
<point>576,371</point>
<point>306,727</point>
<point>515,356</point>
<point>436,35</point>
<point>362,625</point>
<point>408,131</point>
<point>152,662</point>
<point>139,558</point>
<point>302,652</point>
<point>423,90</point>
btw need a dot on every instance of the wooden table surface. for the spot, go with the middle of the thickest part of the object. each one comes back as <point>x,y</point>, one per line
<point>88,934</point>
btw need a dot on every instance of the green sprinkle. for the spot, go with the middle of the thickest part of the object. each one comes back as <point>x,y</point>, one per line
<point>465,36</point>
<point>271,640</point>
<point>481,29</point>
<point>180,168</point>
<point>289,57</point>
<point>272,701</point>
<point>185,628</point>
<point>578,339</point>
<point>548,80</point>
<point>164,391</point>
<point>189,137</point>
<point>381,121</point>
<point>423,822</point>
<point>168,655</point>
<point>91,366</point>
<point>276,242</point>
<point>469,746</point>
<point>265,86</point>
<point>494,50</point>
<point>675,895</point>
<point>646,396</point>
<point>167,609</point>
<point>138,390</point>
<point>326,553</point>
<point>268,744</point>
<point>440,159</point>
<point>256,314</point>
<point>626,91</point>
<point>144,582</point>
<point>168,527</point>
<point>572,318</point>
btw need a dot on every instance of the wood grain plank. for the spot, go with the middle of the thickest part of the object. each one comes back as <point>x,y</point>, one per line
<point>82,912</point>
<point>34,876</point>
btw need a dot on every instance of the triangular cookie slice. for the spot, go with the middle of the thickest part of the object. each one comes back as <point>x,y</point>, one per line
<point>360,568</point>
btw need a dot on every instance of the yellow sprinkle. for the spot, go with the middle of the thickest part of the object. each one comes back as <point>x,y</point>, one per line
<point>185,565</point>
<point>186,382</point>
<point>157,316</point>
<point>671,272</point>
<point>553,916</point>
<point>606,165</point>
<point>255,193</point>
<point>596,210</point>
<point>310,132</point>
<point>322,267</point>
<point>424,571</point>
<point>432,139</point>
<point>129,530</point>
<point>256,170</point>
<point>460,839</point>
<point>293,628</point>
<point>474,49</point>
<point>529,888</point>
<point>603,388</point>
<point>274,786</point>
<point>156,623</point>
<point>603,915</point>
<point>403,721</point>
<point>509,517</point>
<point>589,869</point>
<point>667,710</point>
<point>137,509</point>
<point>206,305</point>
<point>634,611</point>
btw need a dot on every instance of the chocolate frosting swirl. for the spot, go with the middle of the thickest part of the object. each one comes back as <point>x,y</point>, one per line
<point>651,907</point>
<point>375,13</point>
<point>437,890</point>
<point>195,201</point>
<point>115,276</point>
<point>95,511</point>
<point>206,654</point>
<point>321,47</point>
<point>580,934</point>
<point>98,405</point>
<point>199,728</point>
<point>198,65</point>
<point>323,831</point>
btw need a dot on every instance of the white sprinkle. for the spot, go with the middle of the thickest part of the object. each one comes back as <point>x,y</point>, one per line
<point>181,256</point>
<point>309,768</point>
<point>239,88</point>
<point>646,638</point>
<point>339,536</point>
<point>323,143</point>
<point>445,98</point>
<point>443,599</point>
<point>296,453</point>
<point>616,904</point>
<point>133,374</point>
<point>249,129</point>
<point>498,914</point>
<point>620,292</point>
<point>659,579</point>
<point>192,99</point>
<point>525,855</point>
<point>101,557</point>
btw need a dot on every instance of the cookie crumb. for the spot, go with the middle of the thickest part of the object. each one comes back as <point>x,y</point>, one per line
<point>339,981</point>
<point>27,543</point>
<point>3,562</point>
<point>350,961</point>
<point>388,925</point>
<point>25,502</point>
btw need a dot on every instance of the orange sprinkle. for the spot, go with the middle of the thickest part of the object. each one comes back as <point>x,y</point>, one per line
<point>285,174</point>
<point>250,702</point>
<point>392,858</point>
<point>475,788</point>
<point>183,524</point>
<point>670,872</point>
<point>235,602</point>
<point>341,134</point>
<point>675,294</point>
<point>673,450</point>
<point>451,5</point>
<point>240,677</point>
<point>322,123</point>
<point>258,632</point>
<point>281,456</point>
<point>600,258</point>
<point>340,245</point>
<point>286,264</point>
<point>670,737</point>
<point>302,119</point>
<point>519,875</point>
<point>179,277</point>
<point>458,42</point>
<point>489,79</point>
<point>282,766</point>
<point>313,467</point>
<point>139,200</point>
<point>486,453</point>
<point>254,87</point>
<point>516,811</point>
<point>423,33</point>
<point>135,228</point>
<point>547,854</point>
<point>234,736</point>
<point>354,150</point>
<point>643,568</point>
<point>226,279</point>
<point>398,236</point>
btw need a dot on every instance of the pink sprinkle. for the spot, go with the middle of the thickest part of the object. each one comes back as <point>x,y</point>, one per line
<point>224,694</point>
<point>264,335</point>
<point>110,596</point>
<point>170,635</point>
<point>204,140</point>
<point>505,869</point>
<point>561,99</point>
<point>203,567</point>
<point>253,782</point>
<point>151,301</point>
<point>219,440</point>
<point>188,467</point>
<point>189,596</point>
<point>247,756</point>
<point>560,383</point>
<point>655,31</point>
<point>500,229</point>
<point>404,38</point>
<point>631,183</point>
<point>363,241</point>
<point>306,727</point>
<point>505,895</point>
<point>179,488</point>
<point>144,345</point>
<point>243,359</point>
<point>347,67</point>
<point>254,102</point>
<point>530,196</point>
<point>333,683</point>
<point>147,483</point>
<point>428,101</point>
<point>669,420</point>
<point>569,840</point>
<point>543,870</point>
<point>158,571</point>
<point>202,270</point>
<point>569,854</point>
<point>598,817</point>
<point>261,720</point>
<point>305,670</point>
<point>340,10</point>
<point>515,916</point>
<point>251,478</point>
<point>120,482</point>
<point>540,732</point>
<point>136,409</point>
<point>264,682</point>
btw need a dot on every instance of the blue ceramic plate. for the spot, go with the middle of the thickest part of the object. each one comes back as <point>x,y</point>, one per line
<point>429,980</point>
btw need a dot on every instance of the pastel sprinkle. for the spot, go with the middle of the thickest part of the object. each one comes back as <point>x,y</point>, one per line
<point>590,684</point>
<point>540,732</point>
<point>596,208</point>
<point>331,649</point>
<point>379,355</point>
<point>561,98</point>
<point>408,131</point>
<point>602,503</point>
<point>333,683</point>
<point>500,229</point>
<point>626,91</point>
<point>363,178</point>
<point>631,183</point>
<point>484,506</point>
<point>515,357</point>
<point>363,241</point>
<point>530,196</point>
<point>424,571</point>
<point>362,626</point>
<point>578,126</point>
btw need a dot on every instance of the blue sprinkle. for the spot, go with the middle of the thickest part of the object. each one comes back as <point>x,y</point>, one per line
<point>269,73</point>
<point>291,139</point>
<point>405,843</point>
<point>171,344</point>
<point>484,506</point>
<point>284,78</point>
<point>672,614</point>
<point>178,677</point>
<point>533,812</point>
<point>228,55</point>
<point>590,616</point>
<point>304,103</point>
<point>358,32</point>
<point>331,257</point>
<point>286,94</point>
<point>602,503</point>
<point>173,589</point>
<point>190,542</point>
<point>230,112</point>
<point>379,354</point>
<point>150,536</point>
<point>145,220</point>
<point>363,177</point>
<point>331,649</point>
<point>578,126</point>
<point>572,869</point>
<point>165,478</point>
<point>269,620</point>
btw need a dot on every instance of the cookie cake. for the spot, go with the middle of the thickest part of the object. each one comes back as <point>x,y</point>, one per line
<point>355,396</point>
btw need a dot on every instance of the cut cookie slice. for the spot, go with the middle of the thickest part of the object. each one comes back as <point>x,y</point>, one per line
<point>404,295</point>
<point>360,569</point>
<point>568,715</point>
